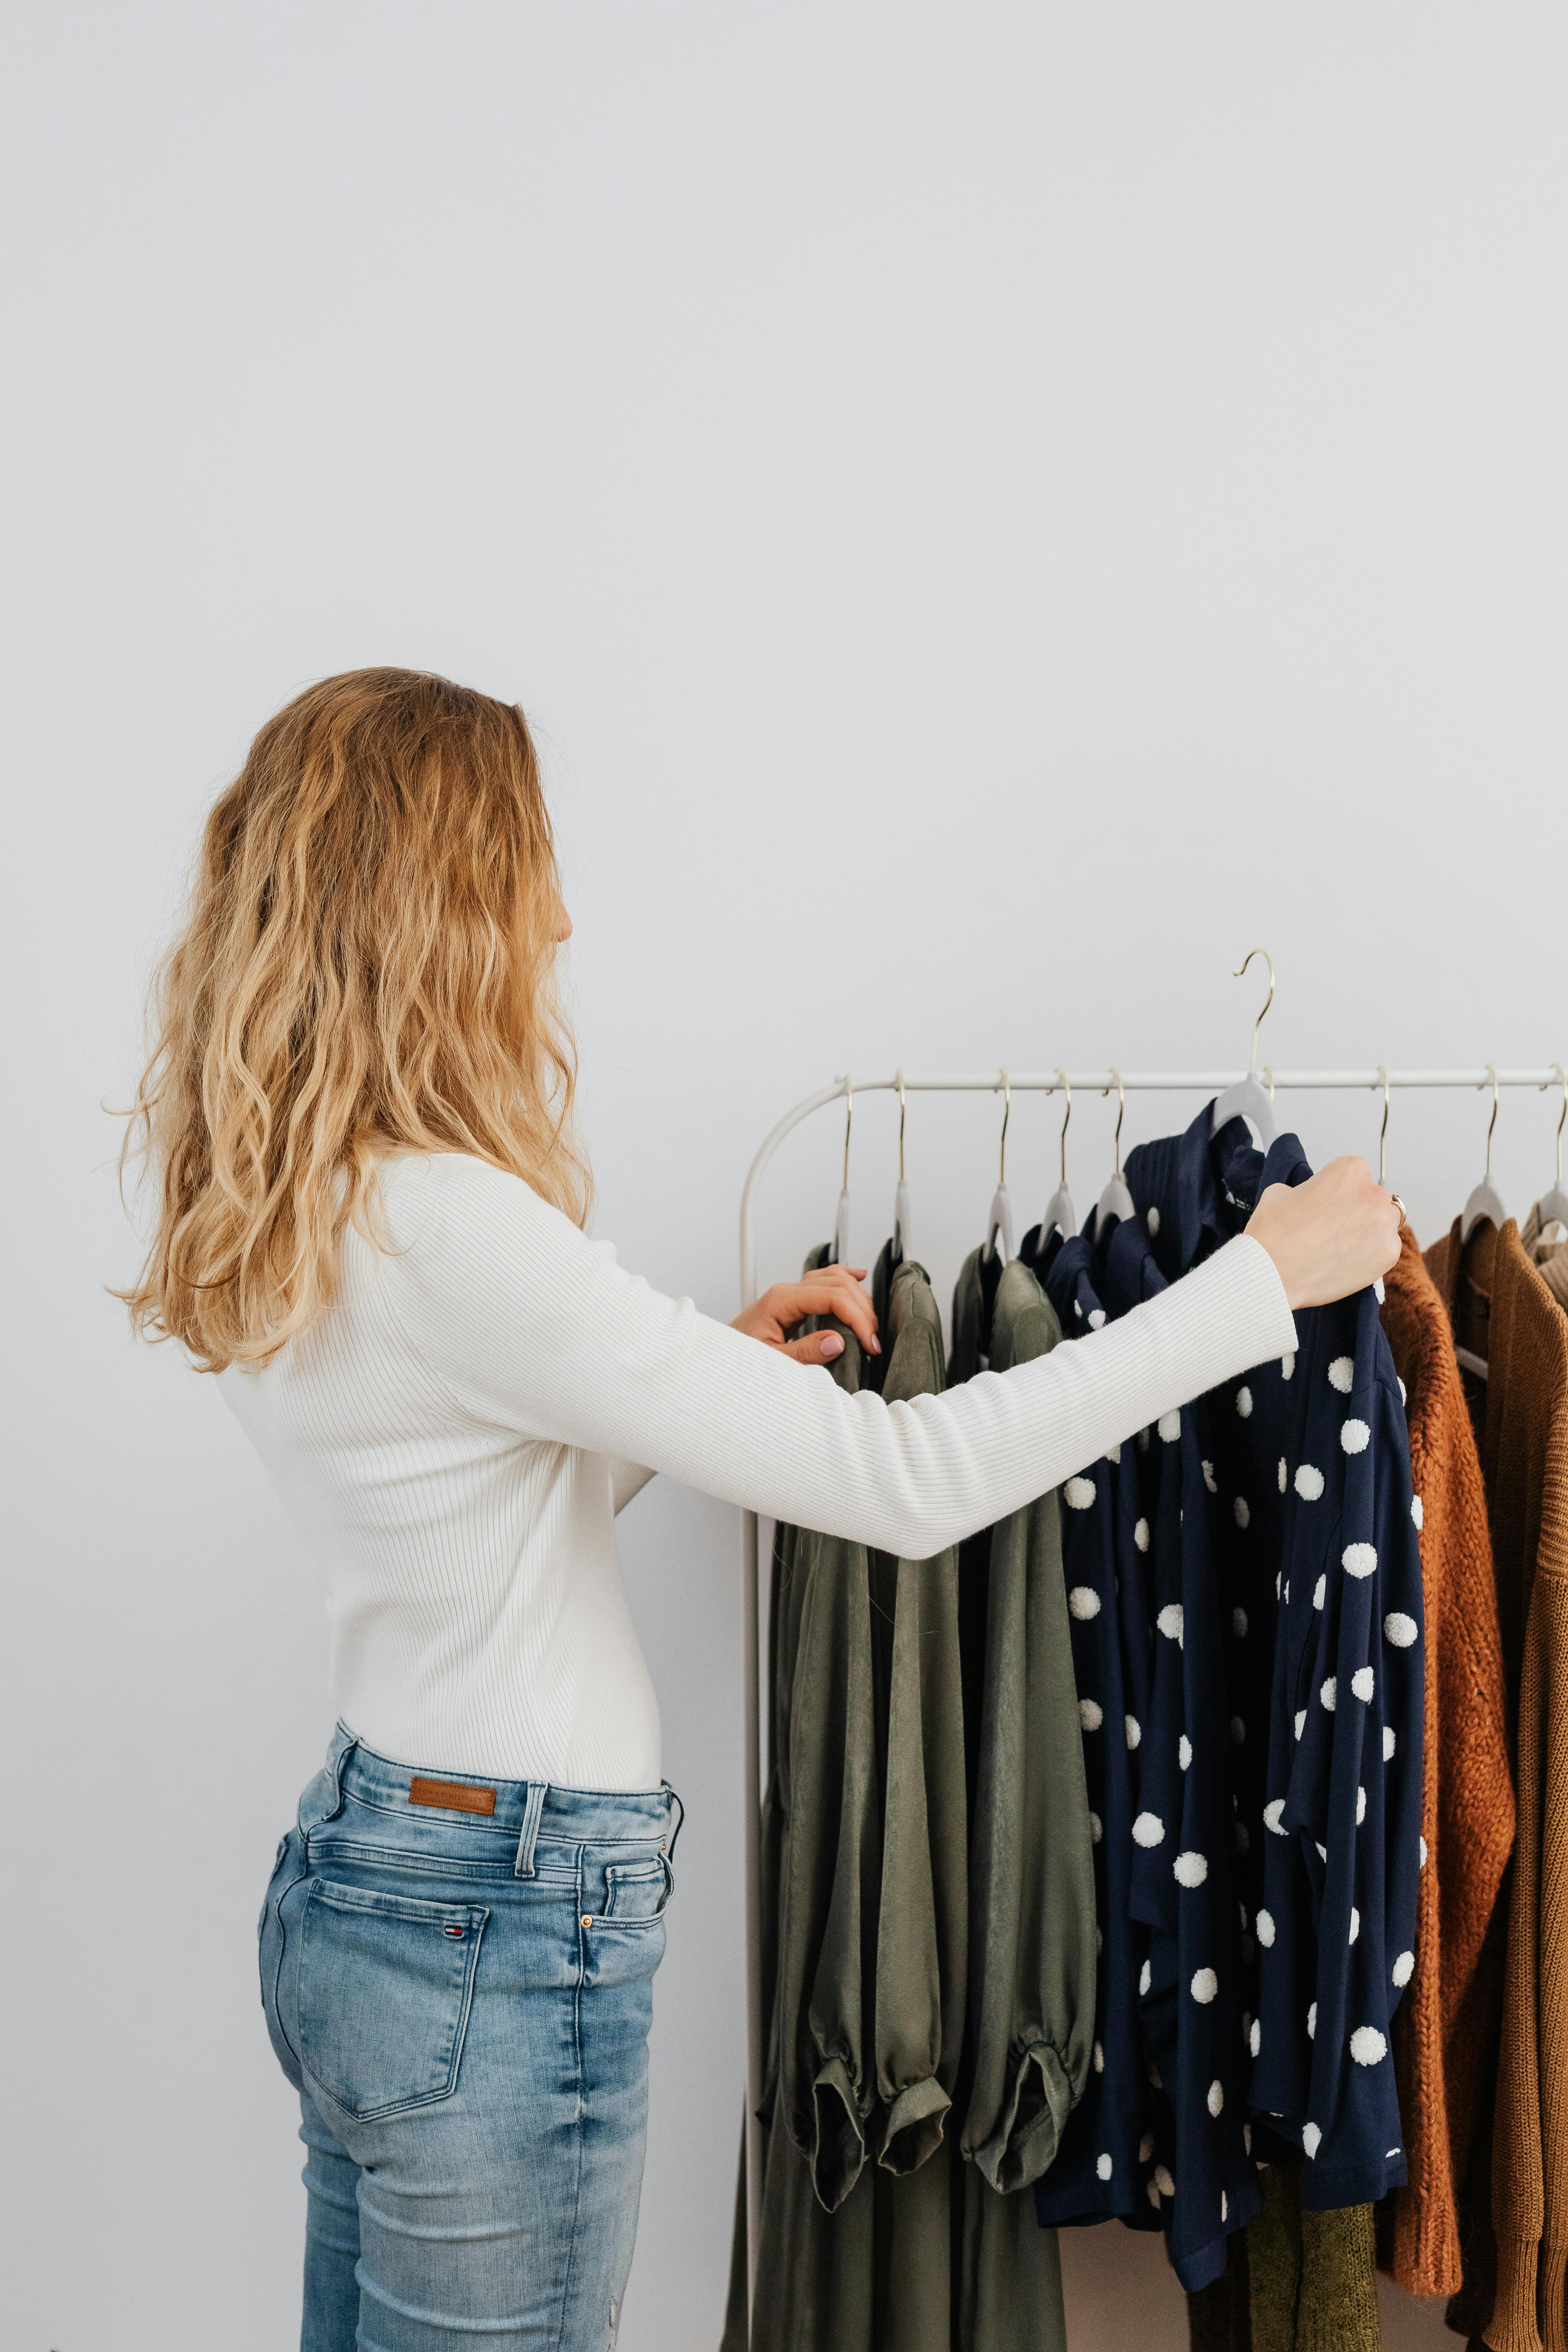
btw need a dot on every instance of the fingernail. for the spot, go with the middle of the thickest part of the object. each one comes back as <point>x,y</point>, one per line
<point>876,1345</point>
<point>832,1345</point>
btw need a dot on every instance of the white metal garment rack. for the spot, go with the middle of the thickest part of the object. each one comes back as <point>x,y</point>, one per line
<point>1207,1082</point>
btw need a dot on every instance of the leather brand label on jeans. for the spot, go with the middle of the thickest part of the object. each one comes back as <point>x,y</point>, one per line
<point>453,1796</point>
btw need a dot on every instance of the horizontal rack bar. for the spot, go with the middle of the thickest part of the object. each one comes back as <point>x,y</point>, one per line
<point>1181,1081</point>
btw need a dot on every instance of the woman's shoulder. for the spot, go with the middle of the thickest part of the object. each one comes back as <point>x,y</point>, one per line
<point>432,1199</point>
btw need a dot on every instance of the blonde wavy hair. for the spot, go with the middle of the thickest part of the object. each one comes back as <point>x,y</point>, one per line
<point>368,964</point>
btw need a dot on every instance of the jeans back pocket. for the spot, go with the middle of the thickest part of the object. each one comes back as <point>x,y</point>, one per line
<point>384,1986</point>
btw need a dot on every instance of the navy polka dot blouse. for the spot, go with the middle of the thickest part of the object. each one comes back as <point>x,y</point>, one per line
<point>1254,1564</point>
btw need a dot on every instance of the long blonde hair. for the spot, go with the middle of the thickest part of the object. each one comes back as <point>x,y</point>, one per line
<point>368,963</point>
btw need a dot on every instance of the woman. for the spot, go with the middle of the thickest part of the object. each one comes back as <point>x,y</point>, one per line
<point>359,1115</point>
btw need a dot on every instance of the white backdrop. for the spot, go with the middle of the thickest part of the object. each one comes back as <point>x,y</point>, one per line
<point>993,513</point>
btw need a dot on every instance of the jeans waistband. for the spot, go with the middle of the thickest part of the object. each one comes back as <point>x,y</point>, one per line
<point>525,1811</point>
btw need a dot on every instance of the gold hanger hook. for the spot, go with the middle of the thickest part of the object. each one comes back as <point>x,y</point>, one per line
<point>849,1122</point>
<point>1120,1112</point>
<point>1383,1130</point>
<point>1268,1077</point>
<point>1066,1121</point>
<point>1492,1121</point>
<point>1240,973</point>
<point>1006,1115</point>
<point>899,1082</point>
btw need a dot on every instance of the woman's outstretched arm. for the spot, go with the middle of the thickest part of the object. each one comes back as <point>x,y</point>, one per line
<point>536,1327</point>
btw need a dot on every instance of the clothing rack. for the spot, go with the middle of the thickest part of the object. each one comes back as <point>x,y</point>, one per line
<point>1000,1082</point>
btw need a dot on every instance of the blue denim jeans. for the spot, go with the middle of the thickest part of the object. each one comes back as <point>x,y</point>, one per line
<point>457,1977</point>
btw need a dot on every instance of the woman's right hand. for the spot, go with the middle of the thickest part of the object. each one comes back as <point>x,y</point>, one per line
<point>1330,1237</point>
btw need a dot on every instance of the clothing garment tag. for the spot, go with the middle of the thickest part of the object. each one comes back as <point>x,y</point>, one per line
<point>453,1796</point>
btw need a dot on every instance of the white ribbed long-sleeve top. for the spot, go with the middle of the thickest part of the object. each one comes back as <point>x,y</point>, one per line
<point>454,1435</point>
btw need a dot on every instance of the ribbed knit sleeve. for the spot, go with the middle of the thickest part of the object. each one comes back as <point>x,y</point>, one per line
<point>535,1328</point>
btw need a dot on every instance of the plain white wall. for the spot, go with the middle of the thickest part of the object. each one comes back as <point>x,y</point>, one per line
<point>993,512</point>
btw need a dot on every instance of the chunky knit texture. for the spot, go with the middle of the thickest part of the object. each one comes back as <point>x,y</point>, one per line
<point>1524,1462</point>
<point>1446,2022</point>
<point>454,1435</point>
<point>1313,2287</point>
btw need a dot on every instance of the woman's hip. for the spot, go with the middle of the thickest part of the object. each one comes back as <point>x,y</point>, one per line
<point>458,1976</point>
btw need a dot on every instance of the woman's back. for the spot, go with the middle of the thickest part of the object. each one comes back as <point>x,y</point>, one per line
<point>480,1620</point>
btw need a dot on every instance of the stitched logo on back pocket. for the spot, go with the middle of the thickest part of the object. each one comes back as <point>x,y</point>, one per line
<point>382,2010</point>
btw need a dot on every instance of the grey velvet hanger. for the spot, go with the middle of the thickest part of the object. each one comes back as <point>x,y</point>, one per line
<point>1485,1204</point>
<point>1248,1098</point>
<point>841,1223</point>
<point>902,1248</point>
<point>1551,1208</point>
<point>1000,1221</point>
<point>1116,1201</point>
<point>1060,1215</point>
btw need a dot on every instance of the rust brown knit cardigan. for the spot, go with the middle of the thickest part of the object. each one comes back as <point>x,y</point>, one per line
<point>1524,1462</point>
<point>1445,2024</point>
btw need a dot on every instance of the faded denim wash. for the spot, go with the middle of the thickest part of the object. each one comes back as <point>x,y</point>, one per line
<point>462,1999</point>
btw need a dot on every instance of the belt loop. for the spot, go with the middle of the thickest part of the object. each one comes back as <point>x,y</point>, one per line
<point>680,1812</point>
<point>523,1866</point>
<point>323,1800</point>
<point>338,1754</point>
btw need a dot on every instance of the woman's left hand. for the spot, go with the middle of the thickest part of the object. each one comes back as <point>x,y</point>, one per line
<point>835,1291</point>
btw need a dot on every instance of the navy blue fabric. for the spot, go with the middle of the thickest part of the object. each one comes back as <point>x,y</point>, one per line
<point>1231,1573</point>
<point>1103,2166</point>
<point>1187,1836</point>
<point>1317,1569</point>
